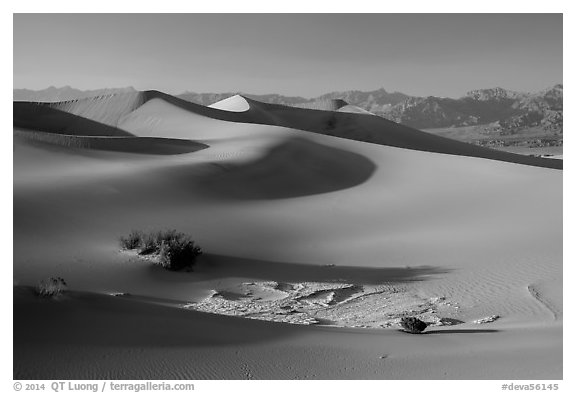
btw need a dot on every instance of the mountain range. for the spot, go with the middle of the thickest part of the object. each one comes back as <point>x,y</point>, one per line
<point>498,111</point>
<point>501,110</point>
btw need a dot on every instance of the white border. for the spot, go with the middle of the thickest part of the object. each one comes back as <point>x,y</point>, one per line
<point>302,6</point>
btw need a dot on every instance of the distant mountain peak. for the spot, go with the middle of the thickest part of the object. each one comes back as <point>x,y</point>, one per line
<point>494,93</point>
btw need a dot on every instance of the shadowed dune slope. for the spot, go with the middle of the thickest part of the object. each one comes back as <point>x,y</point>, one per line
<point>43,117</point>
<point>223,265</point>
<point>208,328</point>
<point>295,167</point>
<point>142,145</point>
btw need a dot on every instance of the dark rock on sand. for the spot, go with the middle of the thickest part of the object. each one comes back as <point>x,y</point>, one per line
<point>413,325</point>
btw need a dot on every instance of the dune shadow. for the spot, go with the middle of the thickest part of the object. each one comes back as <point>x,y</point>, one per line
<point>97,320</point>
<point>295,167</point>
<point>213,265</point>
<point>135,145</point>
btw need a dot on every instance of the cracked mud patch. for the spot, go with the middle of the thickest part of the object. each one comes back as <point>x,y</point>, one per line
<point>332,304</point>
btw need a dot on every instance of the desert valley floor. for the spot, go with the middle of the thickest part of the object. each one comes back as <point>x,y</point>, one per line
<point>320,229</point>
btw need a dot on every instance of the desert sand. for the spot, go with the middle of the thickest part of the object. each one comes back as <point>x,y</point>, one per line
<point>320,229</point>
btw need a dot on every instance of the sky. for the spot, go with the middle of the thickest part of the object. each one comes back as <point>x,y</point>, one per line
<point>292,54</point>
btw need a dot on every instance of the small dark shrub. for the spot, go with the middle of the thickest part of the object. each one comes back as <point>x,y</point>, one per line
<point>132,241</point>
<point>174,250</point>
<point>178,253</point>
<point>413,325</point>
<point>51,287</point>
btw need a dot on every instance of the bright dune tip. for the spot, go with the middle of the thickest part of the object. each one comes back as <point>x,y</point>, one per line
<point>236,103</point>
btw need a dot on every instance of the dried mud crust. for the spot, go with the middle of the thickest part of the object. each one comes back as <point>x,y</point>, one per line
<point>336,304</point>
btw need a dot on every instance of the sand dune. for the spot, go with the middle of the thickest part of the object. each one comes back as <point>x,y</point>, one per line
<point>371,129</point>
<point>350,233</point>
